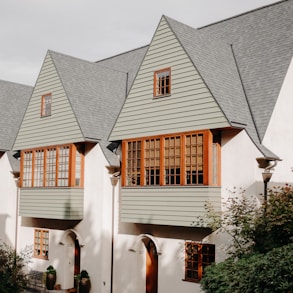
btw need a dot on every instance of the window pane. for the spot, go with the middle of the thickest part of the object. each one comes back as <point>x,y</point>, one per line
<point>63,166</point>
<point>41,243</point>
<point>194,159</point>
<point>46,105</point>
<point>152,161</point>
<point>51,167</point>
<point>197,257</point>
<point>27,169</point>
<point>38,168</point>
<point>162,82</point>
<point>172,157</point>
<point>133,167</point>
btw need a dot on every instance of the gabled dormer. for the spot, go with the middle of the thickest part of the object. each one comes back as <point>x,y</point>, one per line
<point>170,131</point>
<point>73,105</point>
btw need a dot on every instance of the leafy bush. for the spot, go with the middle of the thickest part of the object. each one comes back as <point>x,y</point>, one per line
<point>261,254</point>
<point>12,275</point>
<point>264,273</point>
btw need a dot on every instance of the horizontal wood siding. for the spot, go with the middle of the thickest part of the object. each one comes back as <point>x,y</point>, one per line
<point>190,105</point>
<point>176,206</point>
<point>52,203</point>
<point>59,128</point>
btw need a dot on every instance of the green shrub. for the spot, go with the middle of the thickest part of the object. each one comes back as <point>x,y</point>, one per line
<point>12,275</point>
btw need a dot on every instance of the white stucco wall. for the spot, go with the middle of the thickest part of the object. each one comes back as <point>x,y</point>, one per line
<point>239,166</point>
<point>8,194</point>
<point>279,134</point>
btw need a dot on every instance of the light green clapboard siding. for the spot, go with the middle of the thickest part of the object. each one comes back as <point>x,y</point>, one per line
<point>190,105</point>
<point>59,128</point>
<point>177,206</point>
<point>52,203</point>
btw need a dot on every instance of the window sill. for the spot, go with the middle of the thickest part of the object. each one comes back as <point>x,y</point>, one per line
<point>191,281</point>
<point>162,96</point>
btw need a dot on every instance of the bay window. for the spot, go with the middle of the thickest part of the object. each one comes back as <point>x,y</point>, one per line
<point>179,159</point>
<point>50,166</point>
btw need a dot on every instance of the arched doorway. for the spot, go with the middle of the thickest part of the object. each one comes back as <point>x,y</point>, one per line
<point>72,251</point>
<point>151,266</point>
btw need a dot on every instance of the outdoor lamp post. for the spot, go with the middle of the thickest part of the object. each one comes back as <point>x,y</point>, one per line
<point>266,175</point>
<point>267,164</point>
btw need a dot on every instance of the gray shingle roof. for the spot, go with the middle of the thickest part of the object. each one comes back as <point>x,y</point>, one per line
<point>97,91</point>
<point>14,99</point>
<point>263,45</point>
<point>127,62</point>
<point>243,61</point>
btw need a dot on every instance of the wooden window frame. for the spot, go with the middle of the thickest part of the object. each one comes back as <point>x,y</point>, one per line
<point>41,243</point>
<point>197,257</point>
<point>207,160</point>
<point>27,179</point>
<point>162,86</point>
<point>45,110</point>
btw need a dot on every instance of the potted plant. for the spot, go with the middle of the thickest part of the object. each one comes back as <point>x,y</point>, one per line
<point>84,282</point>
<point>50,277</point>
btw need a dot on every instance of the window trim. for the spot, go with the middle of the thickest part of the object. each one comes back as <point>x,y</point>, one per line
<point>199,269</point>
<point>73,149</point>
<point>43,233</point>
<point>168,87</point>
<point>43,106</point>
<point>207,160</point>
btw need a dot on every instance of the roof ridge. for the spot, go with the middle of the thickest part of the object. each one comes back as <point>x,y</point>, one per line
<point>93,63</point>
<point>120,54</point>
<point>243,13</point>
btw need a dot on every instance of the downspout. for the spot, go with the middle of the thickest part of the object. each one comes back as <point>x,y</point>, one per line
<point>114,180</point>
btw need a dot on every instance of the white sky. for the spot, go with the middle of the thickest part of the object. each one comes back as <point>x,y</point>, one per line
<point>93,29</point>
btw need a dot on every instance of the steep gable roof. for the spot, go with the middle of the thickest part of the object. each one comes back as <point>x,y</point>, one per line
<point>243,61</point>
<point>14,99</point>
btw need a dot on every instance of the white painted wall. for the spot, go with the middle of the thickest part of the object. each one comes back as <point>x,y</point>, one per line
<point>279,134</point>
<point>8,194</point>
<point>239,165</point>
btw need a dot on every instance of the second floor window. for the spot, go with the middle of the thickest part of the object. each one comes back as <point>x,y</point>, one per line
<point>179,159</point>
<point>46,105</point>
<point>50,166</point>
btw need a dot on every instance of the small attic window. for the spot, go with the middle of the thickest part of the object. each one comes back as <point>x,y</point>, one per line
<point>46,105</point>
<point>162,82</point>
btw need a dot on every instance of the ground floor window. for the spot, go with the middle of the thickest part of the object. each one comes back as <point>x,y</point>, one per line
<point>41,243</point>
<point>197,257</point>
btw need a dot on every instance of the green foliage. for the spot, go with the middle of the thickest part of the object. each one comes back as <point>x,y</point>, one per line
<point>238,221</point>
<point>50,270</point>
<point>265,273</point>
<point>12,276</point>
<point>274,223</point>
<point>261,254</point>
<point>83,275</point>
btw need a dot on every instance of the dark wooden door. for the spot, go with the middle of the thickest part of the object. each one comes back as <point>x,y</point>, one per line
<point>151,267</point>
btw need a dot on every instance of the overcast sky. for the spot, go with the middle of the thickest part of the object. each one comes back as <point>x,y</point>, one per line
<point>93,29</point>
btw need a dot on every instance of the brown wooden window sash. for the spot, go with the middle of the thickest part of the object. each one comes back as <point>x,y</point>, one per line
<point>41,244</point>
<point>54,166</point>
<point>46,105</point>
<point>179,159</point>
<point>162,82</point>
<point>197,257</point>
